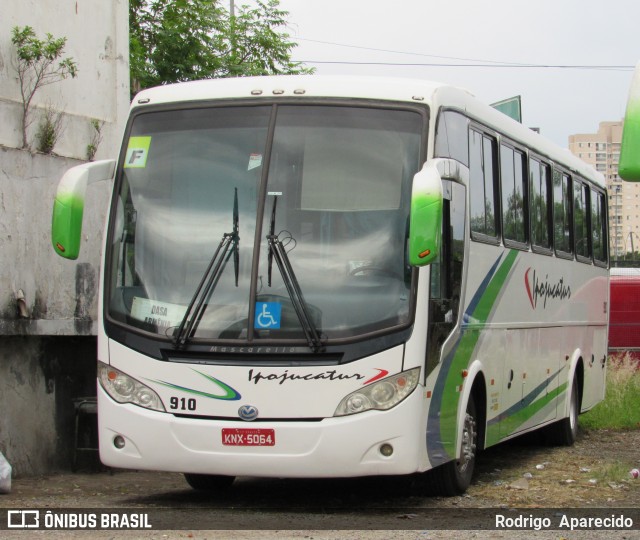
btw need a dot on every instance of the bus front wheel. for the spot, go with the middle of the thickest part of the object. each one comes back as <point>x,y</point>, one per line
<point>454,477</point>
<point>208,482</point>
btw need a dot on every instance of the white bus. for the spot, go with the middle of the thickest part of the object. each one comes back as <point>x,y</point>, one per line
<point>338,277</point>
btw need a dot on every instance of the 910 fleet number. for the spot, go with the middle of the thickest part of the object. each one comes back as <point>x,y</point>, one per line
<point>182,404</point>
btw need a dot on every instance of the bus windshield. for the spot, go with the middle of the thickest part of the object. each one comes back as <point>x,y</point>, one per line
<point>329,184</point>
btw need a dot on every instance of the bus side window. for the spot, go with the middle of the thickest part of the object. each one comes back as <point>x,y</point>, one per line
<point>581,224</point>
<point>451,137</point>
<point>562,212</point>
<point>599,227</point>
<point>512,176</point>
<point>540,199</point>
<point>483,173</point>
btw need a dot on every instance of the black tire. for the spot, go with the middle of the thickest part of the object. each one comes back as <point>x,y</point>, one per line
<point>454,477</point>
<point>565,431</point>
<point>209,482</point>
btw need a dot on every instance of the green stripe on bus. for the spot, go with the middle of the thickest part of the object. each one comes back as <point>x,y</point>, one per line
<point>230,394</point>
<point>513,421</point>
<point>482,313</point>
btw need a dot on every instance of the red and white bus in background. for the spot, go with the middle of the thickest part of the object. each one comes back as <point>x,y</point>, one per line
<point>624,317</point>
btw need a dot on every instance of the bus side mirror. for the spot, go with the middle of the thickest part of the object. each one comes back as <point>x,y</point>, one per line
<point>68,206</point>
<point>425,225</point>
<point>629,165</point>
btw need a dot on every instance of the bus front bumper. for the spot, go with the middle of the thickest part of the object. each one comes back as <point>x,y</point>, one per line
<point>346,446</point>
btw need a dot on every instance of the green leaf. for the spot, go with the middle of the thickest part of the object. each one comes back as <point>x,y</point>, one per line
<point>180,40</point>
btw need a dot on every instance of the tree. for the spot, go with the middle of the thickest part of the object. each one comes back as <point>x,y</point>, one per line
<point>184,40</point>
<point>37,65</point>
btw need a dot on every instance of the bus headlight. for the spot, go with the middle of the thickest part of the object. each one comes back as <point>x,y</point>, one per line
<point>125,389</point>
<point>381,395</point>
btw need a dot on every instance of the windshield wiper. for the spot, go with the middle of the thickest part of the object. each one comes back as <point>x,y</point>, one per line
<point>278,252</point>
<point>229,245</point>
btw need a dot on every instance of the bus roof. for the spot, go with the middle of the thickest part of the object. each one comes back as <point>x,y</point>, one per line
<point>395,89</point>
<point>622,271</point>
<point>408,90</point>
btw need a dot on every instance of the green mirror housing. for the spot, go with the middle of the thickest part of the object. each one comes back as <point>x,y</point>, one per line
<point>425,225</point>
<point>68,206</point>
<point>629,165</point>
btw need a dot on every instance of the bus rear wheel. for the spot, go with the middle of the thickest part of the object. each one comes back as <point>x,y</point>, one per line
<point>454,477</point>
<point>209,482</point>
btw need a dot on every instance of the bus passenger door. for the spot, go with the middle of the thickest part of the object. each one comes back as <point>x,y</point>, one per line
<point>446,274</point>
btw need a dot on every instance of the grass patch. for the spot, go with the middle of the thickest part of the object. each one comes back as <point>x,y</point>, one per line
<point>613,472</point>
<point>621,406</point>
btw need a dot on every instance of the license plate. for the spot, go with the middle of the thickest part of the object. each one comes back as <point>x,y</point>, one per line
<point>248,437</point>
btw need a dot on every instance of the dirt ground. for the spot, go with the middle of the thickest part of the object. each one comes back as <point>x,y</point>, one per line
<point>592,473</point>
<point>522,474</point>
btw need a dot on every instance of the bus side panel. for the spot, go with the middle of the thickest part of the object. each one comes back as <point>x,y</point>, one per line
<point>595,370</point>
<point>463,349</point>
<point>525,316</point>
<point>592,299</point>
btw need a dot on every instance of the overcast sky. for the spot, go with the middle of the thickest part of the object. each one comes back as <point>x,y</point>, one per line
<point>560,101</point>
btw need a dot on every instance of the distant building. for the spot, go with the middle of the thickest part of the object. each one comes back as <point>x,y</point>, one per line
<point>602,151</point>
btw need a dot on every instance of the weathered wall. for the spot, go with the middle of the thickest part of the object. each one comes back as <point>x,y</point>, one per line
<point>60,296</point>
<point>48,306</point>
<point>40,376</point>
<point>24,397</point>
<point>97,39</point>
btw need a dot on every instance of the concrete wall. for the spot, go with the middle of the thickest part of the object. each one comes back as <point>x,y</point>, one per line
<point>97,39</point>
<point>48,306</point>
<point>60,296</point>
<point>40,378</point>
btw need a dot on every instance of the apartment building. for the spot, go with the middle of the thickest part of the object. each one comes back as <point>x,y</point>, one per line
<point>602,151</point>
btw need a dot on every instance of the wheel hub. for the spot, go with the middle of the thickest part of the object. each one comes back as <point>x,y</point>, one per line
<point>468,450</point>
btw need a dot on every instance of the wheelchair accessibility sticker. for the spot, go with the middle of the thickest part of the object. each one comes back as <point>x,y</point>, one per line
<point>268,315</point>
